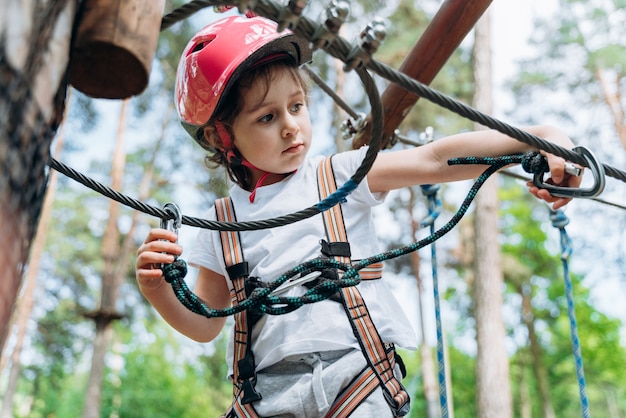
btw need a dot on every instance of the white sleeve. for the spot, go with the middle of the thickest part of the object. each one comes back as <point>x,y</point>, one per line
<point>345,165</point>
<point>204,251</point>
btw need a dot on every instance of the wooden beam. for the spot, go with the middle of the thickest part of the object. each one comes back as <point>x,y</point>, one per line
<point>452,22</point>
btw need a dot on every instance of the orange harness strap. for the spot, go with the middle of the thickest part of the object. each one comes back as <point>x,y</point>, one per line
<point>380,362</point>
<point>244,376</point>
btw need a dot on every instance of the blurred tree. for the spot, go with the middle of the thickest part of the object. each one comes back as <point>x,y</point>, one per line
<point>544,348</point>
<point>492,367</point>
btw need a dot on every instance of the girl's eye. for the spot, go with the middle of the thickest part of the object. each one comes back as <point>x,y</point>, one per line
<point>297,107</point>
<point>266,118</point>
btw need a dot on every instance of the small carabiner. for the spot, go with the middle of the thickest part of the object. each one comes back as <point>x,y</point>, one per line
<point>174,223</point>
<point>588,192</point>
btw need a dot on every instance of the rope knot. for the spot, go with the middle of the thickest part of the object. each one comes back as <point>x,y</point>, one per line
<point>534,163</point>
<point>175,271</point>
<point>434,203</point>
<point>430,189</point>
<point>558,218</point>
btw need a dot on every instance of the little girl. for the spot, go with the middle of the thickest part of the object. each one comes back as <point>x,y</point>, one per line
<point>242,97</point>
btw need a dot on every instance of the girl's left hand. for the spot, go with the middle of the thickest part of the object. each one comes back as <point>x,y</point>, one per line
<point>558,177</point>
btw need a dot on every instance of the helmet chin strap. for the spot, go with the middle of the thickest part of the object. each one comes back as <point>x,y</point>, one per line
<point>234,159</point>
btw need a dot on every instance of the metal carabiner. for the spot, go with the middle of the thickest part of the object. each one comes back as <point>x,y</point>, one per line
<point>174,223</point>
<point>588,192</point>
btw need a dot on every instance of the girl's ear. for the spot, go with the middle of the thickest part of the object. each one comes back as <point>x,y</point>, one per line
<point>212,138</point>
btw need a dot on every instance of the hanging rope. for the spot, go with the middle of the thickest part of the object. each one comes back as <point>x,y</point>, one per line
<point>434,209</point>
<point>559,220</point>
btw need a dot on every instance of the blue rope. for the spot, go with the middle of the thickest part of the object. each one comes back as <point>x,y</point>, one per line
<point>559,220</point>
<point>434,209</point>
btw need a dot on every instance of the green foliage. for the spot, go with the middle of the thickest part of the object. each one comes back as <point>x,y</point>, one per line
<point>157,381</point>
<point>534,268</point>
<point>462,384</point>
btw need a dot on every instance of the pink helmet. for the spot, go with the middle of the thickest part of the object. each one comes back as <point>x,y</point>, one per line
<point>217,56</point>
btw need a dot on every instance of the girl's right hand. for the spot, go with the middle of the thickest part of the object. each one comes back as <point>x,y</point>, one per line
<point>160,247</point>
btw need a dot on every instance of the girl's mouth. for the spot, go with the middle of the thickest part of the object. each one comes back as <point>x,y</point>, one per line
<point>294,149</point>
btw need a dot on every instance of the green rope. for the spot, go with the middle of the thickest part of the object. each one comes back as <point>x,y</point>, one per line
<point>261,300</point>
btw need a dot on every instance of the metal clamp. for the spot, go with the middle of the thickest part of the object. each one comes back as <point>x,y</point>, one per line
<point>332,18</point>
<point>598,177</point>
<point>351,126</point>
<point>370,39</point>
<point>174,223</point>
<point>290,15</point>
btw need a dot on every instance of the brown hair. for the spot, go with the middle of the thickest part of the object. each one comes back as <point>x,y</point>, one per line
<point>231,108</point>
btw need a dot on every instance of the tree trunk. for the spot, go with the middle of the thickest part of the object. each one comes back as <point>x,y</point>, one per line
<point>613,99</point>
<point>25,307</point>
<point>525,405</point>
<point>34,48</point>
<point>492,368</point>
<point>110,283</point>
<point>119,268</point>
<point>539,370</point>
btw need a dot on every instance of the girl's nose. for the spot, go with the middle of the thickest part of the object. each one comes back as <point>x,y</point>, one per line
<point>290,126</point>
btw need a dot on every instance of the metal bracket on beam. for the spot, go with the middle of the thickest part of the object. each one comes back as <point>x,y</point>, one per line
<point>369,40</point>
<point>332,18</point>
<point>290,14</point>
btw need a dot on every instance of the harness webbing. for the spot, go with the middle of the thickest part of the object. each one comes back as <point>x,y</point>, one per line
<point>381,357</point>
<point>371,344</point>
<point>243,362</point>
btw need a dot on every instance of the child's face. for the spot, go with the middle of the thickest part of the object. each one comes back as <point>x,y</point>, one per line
<point>273,130</point>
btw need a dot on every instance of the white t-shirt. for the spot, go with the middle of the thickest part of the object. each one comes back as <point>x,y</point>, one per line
<point>323,325</point>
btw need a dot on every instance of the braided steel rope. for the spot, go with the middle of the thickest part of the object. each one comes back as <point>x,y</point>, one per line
<point>340,49</point>
<point>330,201</point>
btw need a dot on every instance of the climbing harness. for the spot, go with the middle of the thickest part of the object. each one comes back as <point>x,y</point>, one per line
<point>381,357</point>
<point>365,331</point>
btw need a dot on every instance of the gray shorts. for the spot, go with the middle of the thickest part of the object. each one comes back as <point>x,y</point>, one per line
<point>305,386</point>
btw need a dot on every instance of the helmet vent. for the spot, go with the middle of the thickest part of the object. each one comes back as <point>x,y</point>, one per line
<point>202,44</point>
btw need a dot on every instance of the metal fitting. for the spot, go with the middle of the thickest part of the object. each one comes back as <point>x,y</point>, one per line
<point>369,40</point>
<point>351,126</point>
<point>243,6</point>
<point>174,223</point>
<point>290,14</point>
<point>332,18</point>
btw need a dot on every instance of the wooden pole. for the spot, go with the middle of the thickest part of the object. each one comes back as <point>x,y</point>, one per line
<point>452,22</point>
<point>115,43</point>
